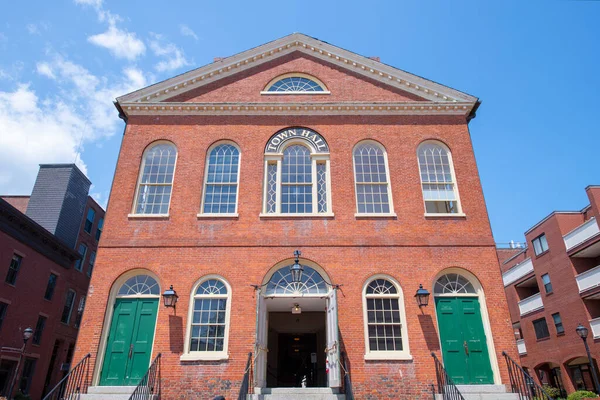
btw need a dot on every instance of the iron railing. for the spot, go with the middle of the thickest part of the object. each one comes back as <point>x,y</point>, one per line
<point>445,385</point>
<point>149,387</point>
<point>347,381</point>
<point>245,387</point>
<point>74,383</point>
<point>522,383</point>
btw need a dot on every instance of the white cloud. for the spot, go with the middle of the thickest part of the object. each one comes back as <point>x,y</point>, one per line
<point>52,129</point>
<point>120,43</point>
<point>32,29</point>
<point>187,31</point>
<point>173,55</point>
<point>93,3</point>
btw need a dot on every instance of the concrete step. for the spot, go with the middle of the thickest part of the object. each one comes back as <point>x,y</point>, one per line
<point>109,393</point>
<point>483,392</point>
<point>481,388</point>
<point>297,394</point>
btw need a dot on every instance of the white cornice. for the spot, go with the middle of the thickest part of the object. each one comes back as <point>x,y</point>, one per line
<point>297,42</point>
<point>315,108</point>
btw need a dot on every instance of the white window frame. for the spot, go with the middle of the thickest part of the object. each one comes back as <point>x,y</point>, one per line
<point>133,213</point>
<point>277,158</point>
<point>403,354</point>
<point>538,240</point>
<point>207,355</point>
<point>237,194</point>
<point>273,81</point>
<point>387,177</point>
<point>459,212</point>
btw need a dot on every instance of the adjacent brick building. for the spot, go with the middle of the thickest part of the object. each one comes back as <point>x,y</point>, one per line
<point>225,171</point>
<point>48,243</point>
<point>552,286</point>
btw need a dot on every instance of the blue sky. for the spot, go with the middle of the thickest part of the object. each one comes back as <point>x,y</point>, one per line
<point>533,64</point>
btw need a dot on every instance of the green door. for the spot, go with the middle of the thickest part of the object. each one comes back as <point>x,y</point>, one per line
<point>464,346</point>
<point>129,343</point>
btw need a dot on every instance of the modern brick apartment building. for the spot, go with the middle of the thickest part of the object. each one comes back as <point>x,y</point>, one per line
<point>552,286</point>
<point>48,242</point>
<point>225,171</point>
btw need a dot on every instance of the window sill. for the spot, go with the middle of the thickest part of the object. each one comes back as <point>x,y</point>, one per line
<point>445,215</point>
<point>311,215</point>
<point>213,215</point>
<point>204,357</point>
<point>293,93</point>
<point>148,216</point>
<point>375,215</point>
<point>384,355</point>
<point>542,253</point>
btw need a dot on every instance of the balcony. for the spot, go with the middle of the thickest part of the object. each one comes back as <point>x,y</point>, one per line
<point>582,233</point>
<point>531,304</point>
<point>521,346</point>
<point>588,279</point>
<point>517,272</point>
<point>595,325</point>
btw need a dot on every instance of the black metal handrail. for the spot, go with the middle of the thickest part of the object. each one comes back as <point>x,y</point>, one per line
<point>445,384</point>
<point>522,383</point>
<point>245,387</point>
<point>149,387</point>
<point>347,381</point>
<point>75,382</point>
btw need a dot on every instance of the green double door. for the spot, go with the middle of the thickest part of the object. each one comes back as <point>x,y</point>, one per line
<point>464,345</point>
<point>129,343</point>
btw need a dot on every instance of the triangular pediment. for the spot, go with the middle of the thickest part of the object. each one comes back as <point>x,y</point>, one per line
<point>425,95</point>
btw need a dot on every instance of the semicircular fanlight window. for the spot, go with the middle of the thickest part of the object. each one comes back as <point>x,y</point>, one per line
<point>453,284</point>
<point>140,285</point>
<point>311,283</point>
<point>295,84</point>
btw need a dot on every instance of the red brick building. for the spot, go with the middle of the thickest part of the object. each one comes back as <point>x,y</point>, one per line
<point>552,286</point>
<point>48,243</point>
<point>225,171</point>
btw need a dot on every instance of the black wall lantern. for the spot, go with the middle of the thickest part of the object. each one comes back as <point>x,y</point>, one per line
<point>422,296</point>
<point>296,270</point>
<point>170,297</point>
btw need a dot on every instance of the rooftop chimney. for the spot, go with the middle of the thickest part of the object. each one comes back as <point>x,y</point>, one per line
<point>58,200</point>
<point>216,59</point>
<point>375,58</point>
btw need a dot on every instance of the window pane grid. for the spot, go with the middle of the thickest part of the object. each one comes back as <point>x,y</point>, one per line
<point>295,84</point>
<point>154,192</point>
<point>321,187</point>
<point>438,184</point>
<point>272,188</point>
<point>296,180</point>
<point>13,269</point>
<point>371,179</point>
<point>221,180</point>
<point>384,325</point>
<point>209,317</point>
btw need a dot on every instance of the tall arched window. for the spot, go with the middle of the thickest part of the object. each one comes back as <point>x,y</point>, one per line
<point>221,180</point>
<point>297,174</point>
<point>437,178</point>
<point>385,320</point>
<point>373,195</point>
<point>208,330</point>
<point>153,194</point>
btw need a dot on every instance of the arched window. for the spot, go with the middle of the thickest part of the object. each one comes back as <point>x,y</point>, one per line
<point>453,284</point>
<point>281,283</point>
<point>156,180</point>
<point>295,83</point>
<point>297,174</point>
<point>208,320</point>
<point>139,285</point>
<point>385,320</point>
<point>437,178</point>
<point>221,180</point>
<point>373,195</point>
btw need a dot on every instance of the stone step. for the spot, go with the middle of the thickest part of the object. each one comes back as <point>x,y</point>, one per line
<point>297,394</point>
<point>485,396</point>
<point>481,388</point>
<point>109,393</point>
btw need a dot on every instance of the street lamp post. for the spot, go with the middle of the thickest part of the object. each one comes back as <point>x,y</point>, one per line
<point>582,331</point>
<point>26,335</point>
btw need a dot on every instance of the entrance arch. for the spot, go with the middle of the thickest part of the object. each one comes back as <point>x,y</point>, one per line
<point>464,328</point>
<point>129,328</point>
<point>295,321</point>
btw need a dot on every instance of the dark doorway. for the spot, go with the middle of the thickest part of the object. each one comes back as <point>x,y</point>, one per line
<point>7,369</point>
<point>296,355</point>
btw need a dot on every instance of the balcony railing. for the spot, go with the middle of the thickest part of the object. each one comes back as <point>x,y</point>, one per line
<point>531,304</point>
<point>517,272</point>
<point>582,233</point>
<point>588,279</point>
<point>595,324</point>
<point>521,346</point>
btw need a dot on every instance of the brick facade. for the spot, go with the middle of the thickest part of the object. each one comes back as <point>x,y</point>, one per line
<point>575,303</point>
<point>181,248</point>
